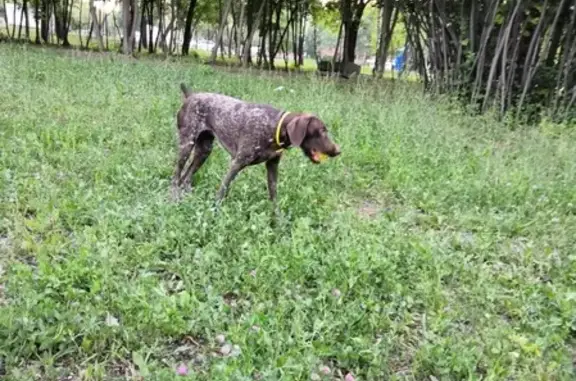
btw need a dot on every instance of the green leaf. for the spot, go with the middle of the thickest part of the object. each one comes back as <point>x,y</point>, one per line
<point>138,360</point>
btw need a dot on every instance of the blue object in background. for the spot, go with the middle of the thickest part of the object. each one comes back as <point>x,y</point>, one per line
<point>398,63</point>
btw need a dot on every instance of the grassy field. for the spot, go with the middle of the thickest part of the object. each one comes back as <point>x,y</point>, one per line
<point>436,247</point>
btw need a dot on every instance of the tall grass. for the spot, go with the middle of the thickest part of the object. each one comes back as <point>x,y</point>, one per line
<point>438,246</point>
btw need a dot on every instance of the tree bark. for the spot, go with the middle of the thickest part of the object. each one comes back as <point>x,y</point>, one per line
<point>273,28</point>
<point>45,21</point>
<point>37,11</point>
<point>150,26</point>
<point>220,31</point>
<point>27,27</point>
<point>89,34</point>
<point>96,25</point>
<point>282,37</point>
<point>351,36</point>
<point>126,22</point>
<point>6,18</point>
<point>388,17</point>
<point>135,20</point>
<point>263,30</point>
<point>130,17</point>
<point>80,23</point>
<point>251,30</point>
<point>335,58</point>
<point>143,43</point>
<point>188,28</point>
<point>238,37</point>
<point>21,19</point>
<point>301,37</point>
<point>351,12</point>
<point>13,34</point>
<point>557,31</point>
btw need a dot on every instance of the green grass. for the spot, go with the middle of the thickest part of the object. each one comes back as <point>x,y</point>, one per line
<point>437,247</point>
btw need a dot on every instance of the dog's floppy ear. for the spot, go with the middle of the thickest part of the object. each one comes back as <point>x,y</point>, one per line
<point>297,129</point>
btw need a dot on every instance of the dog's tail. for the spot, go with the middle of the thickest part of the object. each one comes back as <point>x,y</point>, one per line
<point>185,90</point>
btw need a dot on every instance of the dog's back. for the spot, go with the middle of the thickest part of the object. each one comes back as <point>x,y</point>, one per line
<point>230,119</point>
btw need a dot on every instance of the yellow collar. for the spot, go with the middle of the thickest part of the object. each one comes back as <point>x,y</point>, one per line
<point>278,127</point>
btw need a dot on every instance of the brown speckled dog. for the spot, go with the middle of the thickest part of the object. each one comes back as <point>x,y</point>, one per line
<point>251,133</point>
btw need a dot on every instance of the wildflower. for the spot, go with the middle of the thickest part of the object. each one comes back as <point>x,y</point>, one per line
<point>182,370</point>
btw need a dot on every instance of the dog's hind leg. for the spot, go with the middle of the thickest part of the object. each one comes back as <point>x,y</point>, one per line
<point>202,149</point>
<point>184,151</point>
<point>186,142</point>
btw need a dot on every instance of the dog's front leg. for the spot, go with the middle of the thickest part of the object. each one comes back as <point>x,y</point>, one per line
<point>235,167</point>
<point>272,172</point>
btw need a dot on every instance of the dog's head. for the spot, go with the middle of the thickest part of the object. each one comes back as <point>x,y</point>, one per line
<point>311,135</point>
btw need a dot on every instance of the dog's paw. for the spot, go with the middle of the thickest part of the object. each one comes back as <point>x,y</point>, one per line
<point>276,217</point>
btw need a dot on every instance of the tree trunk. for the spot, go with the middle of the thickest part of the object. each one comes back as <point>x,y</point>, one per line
<point>188,28</point>
<point>89,34</point>
<point>57,21</point>
<point>273,27</point>
<point>220,31</point>
<point>150,26</point>
<point>238,37</point>
<point>21,19</point>
<point>106,31</point>
<point>558,29</point>
<point>158,35</point>
<point>169,29</point>
<point>13,20</point>
<point>130,20</point>
<point>45,21</point>
<point>61,21</point>
<point>231,29</point>
<point>80,23</point>
<point>6,18</point>
<point>262,49</point>
<point>351,13</point>
<point>351,33</point>
<point>36,21</point>
<point>173,32</point>
<point>281,40</point>
<point>246,59</point>
<point>67,20</point>
<point>27,27</point>
<point>292,34</point>
<point>388,17</point>
<point>335,57</point>
<point>565,76</point>
<point>301,37</point>
<point>96,26</point>
<point>143,43</point>
<point>315,42</point>
<point>264,27</point>
<point>135,20</point>
<point>126,22</point>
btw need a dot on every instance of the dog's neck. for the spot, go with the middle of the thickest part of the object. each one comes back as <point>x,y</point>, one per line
<point>284,138</point>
